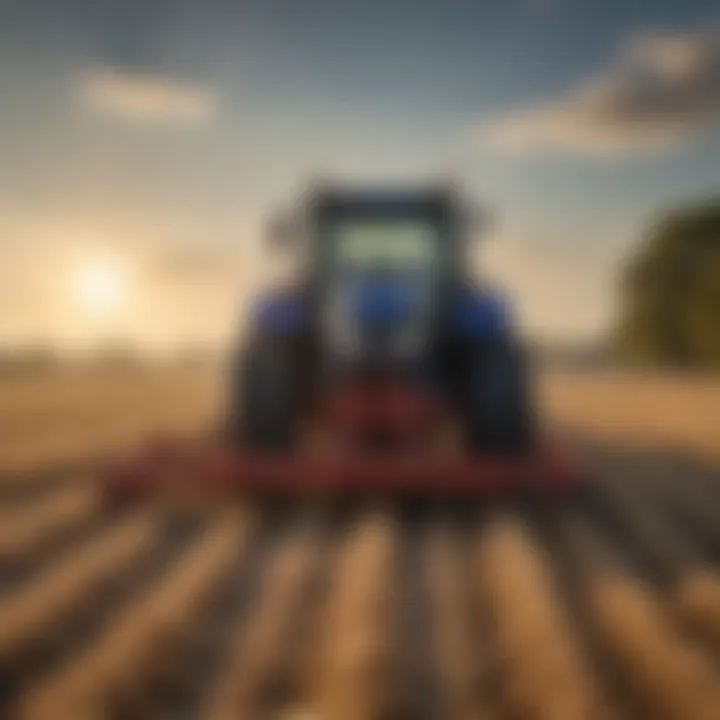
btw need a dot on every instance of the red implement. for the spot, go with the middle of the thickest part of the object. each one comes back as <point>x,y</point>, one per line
<point>168,469</point>
<point>381,430</point>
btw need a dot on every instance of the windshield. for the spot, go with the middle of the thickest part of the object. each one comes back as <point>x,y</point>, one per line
<point>407,245</point>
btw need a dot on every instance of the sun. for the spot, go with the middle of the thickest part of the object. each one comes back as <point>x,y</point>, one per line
<point>100,286</point>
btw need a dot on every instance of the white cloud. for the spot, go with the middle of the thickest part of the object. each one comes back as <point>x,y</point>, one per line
<point>147,98</point>
<point>661,89</point>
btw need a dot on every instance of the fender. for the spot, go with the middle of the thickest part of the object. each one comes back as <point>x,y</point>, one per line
<point>278,313</point>
<point>480,315</point>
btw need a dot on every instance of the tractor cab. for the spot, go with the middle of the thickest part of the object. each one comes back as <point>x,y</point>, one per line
<point>383,309</point>
<point>380,268</point>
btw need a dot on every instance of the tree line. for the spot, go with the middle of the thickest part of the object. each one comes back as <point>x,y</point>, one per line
<point>670,292</point>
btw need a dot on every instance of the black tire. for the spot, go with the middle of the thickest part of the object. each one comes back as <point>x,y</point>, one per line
<point>262,413</point>
<point>500,409</point>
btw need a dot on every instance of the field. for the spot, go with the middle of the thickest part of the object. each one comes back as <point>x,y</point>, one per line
<point>602,609</point>
<point>657,411</point>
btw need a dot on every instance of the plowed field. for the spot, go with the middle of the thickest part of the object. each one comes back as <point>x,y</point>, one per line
<point>607,606</point>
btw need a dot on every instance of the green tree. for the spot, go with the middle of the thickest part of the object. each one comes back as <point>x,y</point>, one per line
<point>670,291</point>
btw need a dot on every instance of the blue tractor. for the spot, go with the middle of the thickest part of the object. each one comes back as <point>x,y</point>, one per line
<point>384,313</point>
<point>350,380</point>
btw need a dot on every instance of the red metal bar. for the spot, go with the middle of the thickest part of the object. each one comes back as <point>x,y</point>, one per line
<point>415,475</point>
<point>231,472</point>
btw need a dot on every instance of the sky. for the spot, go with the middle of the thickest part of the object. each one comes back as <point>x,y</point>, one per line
<point>144,143</point>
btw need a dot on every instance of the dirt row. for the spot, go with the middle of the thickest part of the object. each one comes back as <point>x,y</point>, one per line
<point>606,605</point>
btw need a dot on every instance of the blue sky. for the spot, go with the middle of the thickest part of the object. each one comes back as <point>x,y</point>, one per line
<point>156,135</point>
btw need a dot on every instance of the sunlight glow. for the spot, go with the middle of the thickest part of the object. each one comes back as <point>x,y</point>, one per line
<point>101,286</point>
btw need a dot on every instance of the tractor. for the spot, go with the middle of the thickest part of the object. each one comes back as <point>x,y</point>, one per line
<point>383,367</point>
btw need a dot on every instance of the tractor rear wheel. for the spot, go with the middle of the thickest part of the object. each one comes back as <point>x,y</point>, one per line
<point>500,412</point>
<point>262,412</point>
